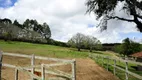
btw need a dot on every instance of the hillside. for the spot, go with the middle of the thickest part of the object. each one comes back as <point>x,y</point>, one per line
<point>41,49</point>
<point>86,69</point>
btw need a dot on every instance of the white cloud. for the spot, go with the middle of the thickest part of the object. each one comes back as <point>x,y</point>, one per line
<point>65,18</point>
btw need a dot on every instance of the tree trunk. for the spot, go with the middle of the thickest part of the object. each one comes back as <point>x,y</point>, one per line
<point>78,49</point>
<point>90,49</point>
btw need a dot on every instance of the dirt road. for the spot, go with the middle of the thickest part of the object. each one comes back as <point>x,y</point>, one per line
<point>87,69</point>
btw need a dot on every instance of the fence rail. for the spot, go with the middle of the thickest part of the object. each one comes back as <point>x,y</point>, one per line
<point>45,68</point>
<point>36,57</point>
<point>108,58</point>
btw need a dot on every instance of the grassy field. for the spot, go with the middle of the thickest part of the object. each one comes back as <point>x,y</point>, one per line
<point>41,49</point>
<point>84,72</point>
<point>119,73</point>
<point>45,50</point>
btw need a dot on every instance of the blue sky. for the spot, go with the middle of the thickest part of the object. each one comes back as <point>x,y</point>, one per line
<point>91,25</point>
<point>67,20</point>
<point>132,35</point>
<point>7,3</point>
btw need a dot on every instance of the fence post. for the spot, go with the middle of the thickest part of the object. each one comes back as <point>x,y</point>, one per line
<point>90,55</point>
<point>96,56</point>
<point>0,63</point>
<point>32,64</point>
<point>114,69</point>
<point>126,70</point>
<point>97,59</point>
<point>16,74</point>
<point>102,61</point>
<point>42,72</point>
<point>107,63</point>
<point>73,69</point>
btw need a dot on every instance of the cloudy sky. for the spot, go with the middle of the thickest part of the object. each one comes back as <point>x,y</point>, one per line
<point>66,18</point>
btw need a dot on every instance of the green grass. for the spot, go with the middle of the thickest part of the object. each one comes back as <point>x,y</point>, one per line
<point>45,50</point>
<point>119,73</point>
<point>62,52</point>
<point>41,49</point>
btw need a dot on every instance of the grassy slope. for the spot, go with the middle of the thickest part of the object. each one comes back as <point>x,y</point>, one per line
<point>40,49</point>
<point>45,50</point>
<point>119,73</point>
<point>50,51</point>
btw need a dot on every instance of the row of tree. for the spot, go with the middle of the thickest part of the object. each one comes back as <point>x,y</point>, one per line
<point>86,42</point>
<point>128,47</point>
<point>30,30</point>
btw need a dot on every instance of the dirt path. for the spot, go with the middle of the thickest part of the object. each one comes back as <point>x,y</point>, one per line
<point>87,69</point>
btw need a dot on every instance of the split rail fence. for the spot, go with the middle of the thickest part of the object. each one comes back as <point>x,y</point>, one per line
<point>107,59</point>
<point>44,68</point>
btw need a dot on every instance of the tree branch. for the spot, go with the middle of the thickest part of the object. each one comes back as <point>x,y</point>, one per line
<point>138,4</point>
<point>139,16</point>
<point>124,19</point>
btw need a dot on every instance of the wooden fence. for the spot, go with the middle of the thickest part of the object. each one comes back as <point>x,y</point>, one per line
<point>106,60</point>
<point>43,67</point>
<point>0,63</point>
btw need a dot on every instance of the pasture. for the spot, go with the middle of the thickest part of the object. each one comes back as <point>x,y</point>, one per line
<point>86,69</point>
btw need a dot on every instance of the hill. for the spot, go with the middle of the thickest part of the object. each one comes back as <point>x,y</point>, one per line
<point>85,67</point>
<point>41,49</point>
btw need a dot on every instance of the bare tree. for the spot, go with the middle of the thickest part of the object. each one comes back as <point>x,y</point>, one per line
<point>77,41</point>
<point>91,42</point>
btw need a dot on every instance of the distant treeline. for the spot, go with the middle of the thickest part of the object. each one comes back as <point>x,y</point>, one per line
<point>128,47</point>
<point>109,46</point>
<point>30,31</point>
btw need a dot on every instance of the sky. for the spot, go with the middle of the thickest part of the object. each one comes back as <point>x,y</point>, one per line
<point>68,17</point>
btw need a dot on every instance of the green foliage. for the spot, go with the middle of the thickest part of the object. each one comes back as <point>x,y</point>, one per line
<point>87,42</point>
<point>119,73</point>
<point>33,25</point>
<point>128,47</point>
<point>5,21</point>
<point>46,31</point>
<point>76,41</point>
<point>117,48</point>
<point>8,36</point>
<point>141,47</point>
<point>16,23</point>
<point>29,31</point>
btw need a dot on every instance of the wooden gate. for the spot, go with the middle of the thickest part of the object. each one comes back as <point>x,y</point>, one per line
<point>44,68</point>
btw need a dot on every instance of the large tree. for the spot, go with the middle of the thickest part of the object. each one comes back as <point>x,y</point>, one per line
<point>129,47</point>
<point>46,31</point>
<point>16,23</point>
<point>33,25</point>
<point>77,41</point>
<point>5,21</point>
<point>106,9</point>
<point>91,42</point>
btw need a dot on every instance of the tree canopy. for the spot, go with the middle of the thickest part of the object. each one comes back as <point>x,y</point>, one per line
<point>106,10</point>
<point>30,31</point>
<point>128,47</point>
<point>77,41</point>
<point>82,41</point>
